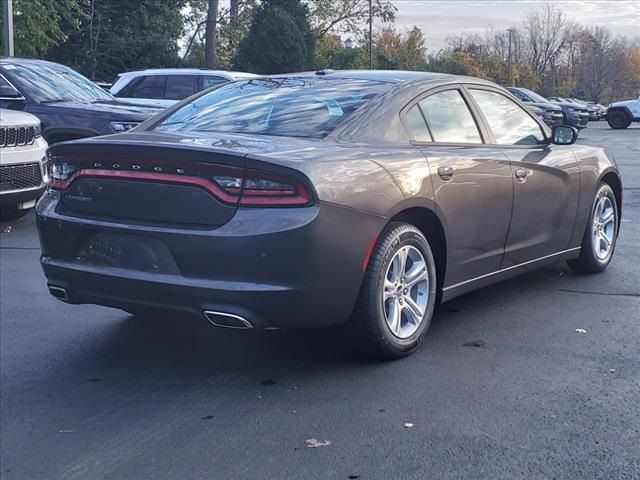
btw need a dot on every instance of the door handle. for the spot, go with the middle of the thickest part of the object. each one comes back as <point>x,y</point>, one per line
<point>522,174</point>
<point>446,173</point>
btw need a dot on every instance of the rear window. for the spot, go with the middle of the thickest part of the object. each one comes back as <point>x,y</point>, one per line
<point>293,107</point>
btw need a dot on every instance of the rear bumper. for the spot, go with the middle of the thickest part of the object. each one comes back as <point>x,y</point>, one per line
<point>277,268</point>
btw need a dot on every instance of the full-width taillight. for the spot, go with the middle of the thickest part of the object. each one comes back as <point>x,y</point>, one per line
<point>231,185</point>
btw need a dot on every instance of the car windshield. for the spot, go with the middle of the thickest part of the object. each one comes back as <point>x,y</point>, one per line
<point>293,107</point>
<point>47,82</point>
<point>534,96</point>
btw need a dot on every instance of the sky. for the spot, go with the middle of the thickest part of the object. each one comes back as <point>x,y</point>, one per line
<point>439,18</point>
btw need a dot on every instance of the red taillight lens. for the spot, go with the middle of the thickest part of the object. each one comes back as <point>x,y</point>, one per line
<point>265,189</point>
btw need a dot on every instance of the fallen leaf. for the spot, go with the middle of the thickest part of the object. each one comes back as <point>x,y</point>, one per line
<point>581,330</point>
<point>475,343</point>
<point>315,443</point>
<point>408,425</point>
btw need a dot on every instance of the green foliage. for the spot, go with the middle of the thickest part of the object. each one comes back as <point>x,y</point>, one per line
<point>279,40</point>
<point>457,63</point>
<point>115,36</point>
<point>42,24</point>
<point>331,53</point>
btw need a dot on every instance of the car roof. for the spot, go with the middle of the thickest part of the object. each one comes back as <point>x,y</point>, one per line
<point>188,71</point>
<point>10,60</point>
<point>389,76</point>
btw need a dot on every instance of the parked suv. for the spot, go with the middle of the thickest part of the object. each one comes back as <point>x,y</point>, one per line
<point>621,114</point>
<point>22,154</point>
<point>166,86</point>
<point>573,115</point>
<point>550,113</point>
<point>68,105</point>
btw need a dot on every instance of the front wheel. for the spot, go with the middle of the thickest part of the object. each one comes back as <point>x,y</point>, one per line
<point>601,233</point>
<point>618,119</point>
<point>398,293</point>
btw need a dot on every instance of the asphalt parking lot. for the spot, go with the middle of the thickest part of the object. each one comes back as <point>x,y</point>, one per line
<point>93,393</point>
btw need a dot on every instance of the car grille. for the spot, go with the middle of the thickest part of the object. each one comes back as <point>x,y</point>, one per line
<point>17,136</point>
<point>18,177</point>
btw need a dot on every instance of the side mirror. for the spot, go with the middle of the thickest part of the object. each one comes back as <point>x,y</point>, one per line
<point>564,135</point>
<point>8,92</point>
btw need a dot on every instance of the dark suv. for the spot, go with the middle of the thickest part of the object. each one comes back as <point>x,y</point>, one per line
<point>68,105</point>
<point>573,114</point>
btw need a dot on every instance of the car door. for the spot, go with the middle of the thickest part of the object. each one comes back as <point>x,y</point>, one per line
<point>471,181</point>
<point>546,178</point>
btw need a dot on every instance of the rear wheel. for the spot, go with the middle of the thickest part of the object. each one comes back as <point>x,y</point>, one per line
<point>398,294</point>
<point>599,241</point>
<point>618,119</point>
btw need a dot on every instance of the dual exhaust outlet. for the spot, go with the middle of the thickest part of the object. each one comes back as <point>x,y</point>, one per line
<point>218,319</point>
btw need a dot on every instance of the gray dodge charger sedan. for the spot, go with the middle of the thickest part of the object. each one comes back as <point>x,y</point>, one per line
<point>319,198</point>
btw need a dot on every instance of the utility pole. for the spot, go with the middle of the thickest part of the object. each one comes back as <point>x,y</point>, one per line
<point>370,34</point>
<point>7,15</point>
<point>510,30</point>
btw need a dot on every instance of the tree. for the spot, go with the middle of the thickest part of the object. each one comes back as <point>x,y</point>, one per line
<point>41,25</point>
<point>546,33</point>
<point>347,16</point>
<point>210,58</point>
<point>280,39</point>
<point>115,37</point>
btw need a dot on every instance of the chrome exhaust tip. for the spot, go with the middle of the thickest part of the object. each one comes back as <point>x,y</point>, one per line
<point>227,320</point>
<point>59,292</point>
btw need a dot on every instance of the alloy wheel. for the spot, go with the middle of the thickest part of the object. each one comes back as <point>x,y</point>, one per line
<point>603,228</point>
<point>406,291</point>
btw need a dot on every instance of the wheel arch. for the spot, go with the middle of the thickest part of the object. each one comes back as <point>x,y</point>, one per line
<point>428,222</point>
<point>612,179</point>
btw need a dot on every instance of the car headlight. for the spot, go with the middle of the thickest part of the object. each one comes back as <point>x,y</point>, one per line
<point>123,126</point>
<point>38,130</point>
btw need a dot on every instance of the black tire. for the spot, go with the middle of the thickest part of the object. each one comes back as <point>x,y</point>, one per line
<point>589,261</point>
<point>8,213</point>
<point>618,119</point>
<point>369,325</point>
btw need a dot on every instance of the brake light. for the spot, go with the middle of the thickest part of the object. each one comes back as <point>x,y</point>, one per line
<point>265,189</point>
<point>228,184</point>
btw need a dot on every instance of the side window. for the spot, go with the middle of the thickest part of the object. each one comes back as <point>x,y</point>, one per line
<point>449,118</point>
<point>145,87</point>
<point>417,125</point>
<point>521,96</point>
<point>180,87</point>
<point>209,81</point>
<point>510,124</point>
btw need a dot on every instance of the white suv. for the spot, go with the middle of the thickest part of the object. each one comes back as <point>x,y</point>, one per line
<point>22,163</point>
<point>163,87</point>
